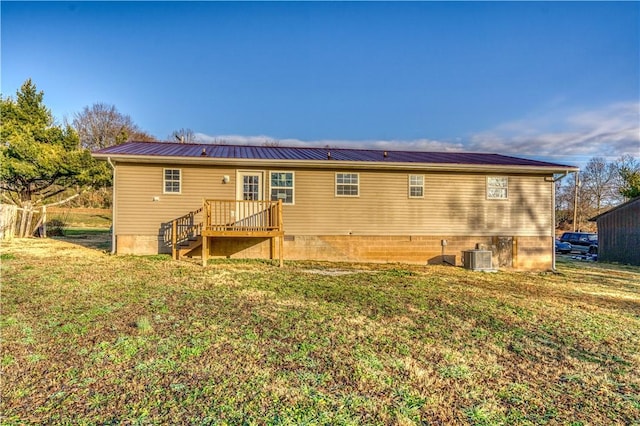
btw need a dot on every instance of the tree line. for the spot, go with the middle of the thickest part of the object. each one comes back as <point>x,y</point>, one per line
<point>43,162</point>
<point>600,185</point>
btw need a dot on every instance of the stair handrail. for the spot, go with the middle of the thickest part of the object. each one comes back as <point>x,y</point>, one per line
<point>183,228</point>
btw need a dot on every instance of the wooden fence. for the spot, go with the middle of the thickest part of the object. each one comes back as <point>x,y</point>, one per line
<point>28,214</point>
<point>8,221</point>
<point>19,222</point>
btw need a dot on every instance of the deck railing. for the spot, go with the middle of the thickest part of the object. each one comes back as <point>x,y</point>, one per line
<point>226,218</point>
<point>242,216</point>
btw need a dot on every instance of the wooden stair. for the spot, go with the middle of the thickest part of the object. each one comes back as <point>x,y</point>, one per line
<point>189,248</point>
<point>190,235</point>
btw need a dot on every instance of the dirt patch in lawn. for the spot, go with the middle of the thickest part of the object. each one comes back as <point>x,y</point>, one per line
<point>331,272</point>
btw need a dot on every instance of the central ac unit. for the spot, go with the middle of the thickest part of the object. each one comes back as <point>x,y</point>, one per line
<point>477,260</point>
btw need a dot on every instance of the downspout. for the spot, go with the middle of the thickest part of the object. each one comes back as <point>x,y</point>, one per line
<point>553,219</point>
<point>113,206</point>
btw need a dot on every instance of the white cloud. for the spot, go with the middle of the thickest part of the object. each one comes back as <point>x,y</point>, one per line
<point>557,135</point>
<point>611,131</point>
<point>407,145</point>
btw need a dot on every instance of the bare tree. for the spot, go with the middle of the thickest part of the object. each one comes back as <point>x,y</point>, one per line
<point>183,135</point>
<point>581,203</point>
<point>102,125</point>
<point>141,136</point>
<point>273,143</point>
<point>564,203</point>
<point>599,187</point>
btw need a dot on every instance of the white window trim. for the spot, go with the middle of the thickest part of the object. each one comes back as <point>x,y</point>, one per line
<point>487,188</point>
<point>293,187</point>
<point>164,181</point>
<point>336,184</point>
<point>415,186</point>
<point>239,182</point>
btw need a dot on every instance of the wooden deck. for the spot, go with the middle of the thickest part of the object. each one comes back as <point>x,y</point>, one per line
<point>228,219</point>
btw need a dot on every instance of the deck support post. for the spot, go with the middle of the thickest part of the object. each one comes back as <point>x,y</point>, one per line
<point>272,249</point>
<point>281,229</point>
<point>206,211</point>
<point>205,250</point>
<point>174,239</point>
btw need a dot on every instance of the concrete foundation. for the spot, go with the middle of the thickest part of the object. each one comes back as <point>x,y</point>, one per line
<point>521,253</point>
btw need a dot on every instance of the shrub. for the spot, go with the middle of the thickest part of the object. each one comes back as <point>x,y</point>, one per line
<point>56,228</point>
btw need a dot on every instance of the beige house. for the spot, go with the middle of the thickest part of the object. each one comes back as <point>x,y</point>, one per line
<point>331,204</point>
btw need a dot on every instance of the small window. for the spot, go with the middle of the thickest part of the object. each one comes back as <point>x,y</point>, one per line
<point>282,187</point>
<point>347,184</point>
<point>416,186</point>
<point>172,181</point>
<point>497,187</point>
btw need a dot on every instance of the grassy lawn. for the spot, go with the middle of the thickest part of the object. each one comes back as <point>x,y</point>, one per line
<point>87,227</point>
<point>82,218</point>
<point>89,338</point>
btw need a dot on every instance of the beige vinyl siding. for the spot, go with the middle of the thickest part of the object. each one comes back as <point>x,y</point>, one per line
<point>137,185</point>
<point>453,203</point>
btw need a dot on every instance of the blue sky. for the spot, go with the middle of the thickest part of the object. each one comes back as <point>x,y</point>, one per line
<point>559,81</point>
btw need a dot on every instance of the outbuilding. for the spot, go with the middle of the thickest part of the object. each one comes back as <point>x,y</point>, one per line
<point>619,233</point>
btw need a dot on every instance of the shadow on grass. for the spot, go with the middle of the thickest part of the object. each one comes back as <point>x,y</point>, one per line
<point>92,238</point>
<point>568,260</point>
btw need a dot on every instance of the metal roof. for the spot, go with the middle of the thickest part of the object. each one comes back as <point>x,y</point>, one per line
<point>615,208</point>
<point>191,150</point>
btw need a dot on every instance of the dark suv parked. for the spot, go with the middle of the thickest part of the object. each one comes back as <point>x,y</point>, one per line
<point>584,242</point>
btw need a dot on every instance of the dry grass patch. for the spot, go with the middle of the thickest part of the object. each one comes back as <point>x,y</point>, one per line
<point>91,338</point>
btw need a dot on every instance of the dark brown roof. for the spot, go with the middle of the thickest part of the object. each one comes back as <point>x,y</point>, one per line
<point>189,150</point>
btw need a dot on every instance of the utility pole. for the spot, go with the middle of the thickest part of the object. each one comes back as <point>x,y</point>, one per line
<point>575,202</point>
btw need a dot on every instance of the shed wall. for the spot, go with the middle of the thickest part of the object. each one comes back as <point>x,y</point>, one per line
<point>619,235</point>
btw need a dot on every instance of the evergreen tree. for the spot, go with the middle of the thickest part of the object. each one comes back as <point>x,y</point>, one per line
<point>629,174</point>
<point>38,159</point>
